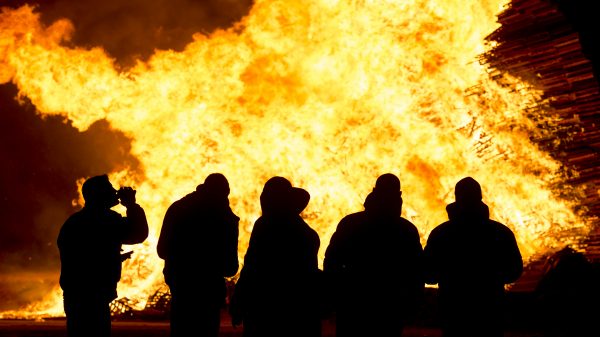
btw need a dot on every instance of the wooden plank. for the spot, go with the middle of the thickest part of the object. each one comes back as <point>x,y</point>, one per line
<point>536,43</point>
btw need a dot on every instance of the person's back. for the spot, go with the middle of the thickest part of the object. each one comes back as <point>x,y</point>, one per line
<point>374,263</point>
<point>198,242</point>
<point>199,229</point>
<point>280,268</point>
<point>471,258</point>
<point>90,246</point>
<point>283,247</point>
<point>277,292</point>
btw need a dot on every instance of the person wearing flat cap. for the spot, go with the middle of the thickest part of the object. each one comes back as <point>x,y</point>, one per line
<point>277,292</point>
<point>373,266</point>
<point>471,258</point>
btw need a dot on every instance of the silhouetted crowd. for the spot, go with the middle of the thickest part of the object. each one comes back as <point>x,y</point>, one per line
<point>373,276</point>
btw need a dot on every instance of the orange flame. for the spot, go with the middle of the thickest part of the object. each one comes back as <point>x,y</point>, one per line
<point>328,93</point>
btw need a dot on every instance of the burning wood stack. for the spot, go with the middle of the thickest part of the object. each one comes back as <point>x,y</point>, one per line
<point>538,44</point>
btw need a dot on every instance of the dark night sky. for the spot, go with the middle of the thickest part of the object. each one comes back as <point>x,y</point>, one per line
<point>42,158</point>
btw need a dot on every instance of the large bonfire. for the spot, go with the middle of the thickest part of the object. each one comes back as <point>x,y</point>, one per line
<point>327,93</point>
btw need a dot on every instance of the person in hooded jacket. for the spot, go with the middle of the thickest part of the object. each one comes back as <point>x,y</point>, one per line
<point>373,266</point>
<point>277,293</point>
<point>471,258</point>
<point>198,241</point>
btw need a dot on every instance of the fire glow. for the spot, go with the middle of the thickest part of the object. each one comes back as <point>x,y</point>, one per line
<point>329,94</point>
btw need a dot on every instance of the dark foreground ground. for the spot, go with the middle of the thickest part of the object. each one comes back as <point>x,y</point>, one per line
<point>153,327</point>
<point>56,328</point>
<point>520,323</point>
<point>523,317</point>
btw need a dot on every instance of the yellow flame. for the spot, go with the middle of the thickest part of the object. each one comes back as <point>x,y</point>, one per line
<point>330,94</point>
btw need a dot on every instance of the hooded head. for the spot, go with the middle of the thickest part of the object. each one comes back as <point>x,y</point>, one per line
<point>468,191</point>
<point>386,198</point>
<point>387,183</point>
<point>279,197</point>
<point>98,192</point>
<point>216,185</point>
<point>468,204</point>
<point>213,192</point>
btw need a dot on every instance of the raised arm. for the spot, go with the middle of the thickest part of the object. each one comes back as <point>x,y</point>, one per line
<point>136,224</point>
<point>135,228</point>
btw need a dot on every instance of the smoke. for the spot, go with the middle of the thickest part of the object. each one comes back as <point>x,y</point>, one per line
<point>130,30</point>
<point>42,159</point>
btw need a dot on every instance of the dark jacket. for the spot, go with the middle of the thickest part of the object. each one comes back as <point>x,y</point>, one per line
<point>472,252</point>
<point>198,241</point>
<point>278,285</point>
<point>90,248</point>
<point>471,258</point>
<point>374,261</point>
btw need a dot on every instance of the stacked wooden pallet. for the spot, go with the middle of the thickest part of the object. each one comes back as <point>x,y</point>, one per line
<point>537,43</point>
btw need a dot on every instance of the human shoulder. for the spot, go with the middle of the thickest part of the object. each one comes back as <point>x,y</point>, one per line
<point>107,216</point>
<point>501,229</point>
<point>75,217</point>
<point>71,223</point>
<point>408,226</point>
<point>87,215</point>
<point>314,236</point>
<point>407,230</point>
<point>353,220</point>
<point>229,215</point>
<point>440,230</point>
<point>82,222</point>
<point>180,205</point>
<point>260,225</point>
<point>182,201</point>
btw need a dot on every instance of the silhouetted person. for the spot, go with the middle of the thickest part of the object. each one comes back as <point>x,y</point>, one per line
<point>90,254</point>
<point>374,262</point>
<point>277,292</point>
<point>568,296</point>
<point>198,242</point>
<point>471,258</point>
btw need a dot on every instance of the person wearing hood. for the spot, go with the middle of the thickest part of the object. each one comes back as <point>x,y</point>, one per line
<point>471,258</point>
<point>373,266</point>
<point>277,293</point>
<point>198,241</point>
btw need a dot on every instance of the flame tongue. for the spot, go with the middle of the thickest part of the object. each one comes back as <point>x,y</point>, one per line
<point>326,93</point>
